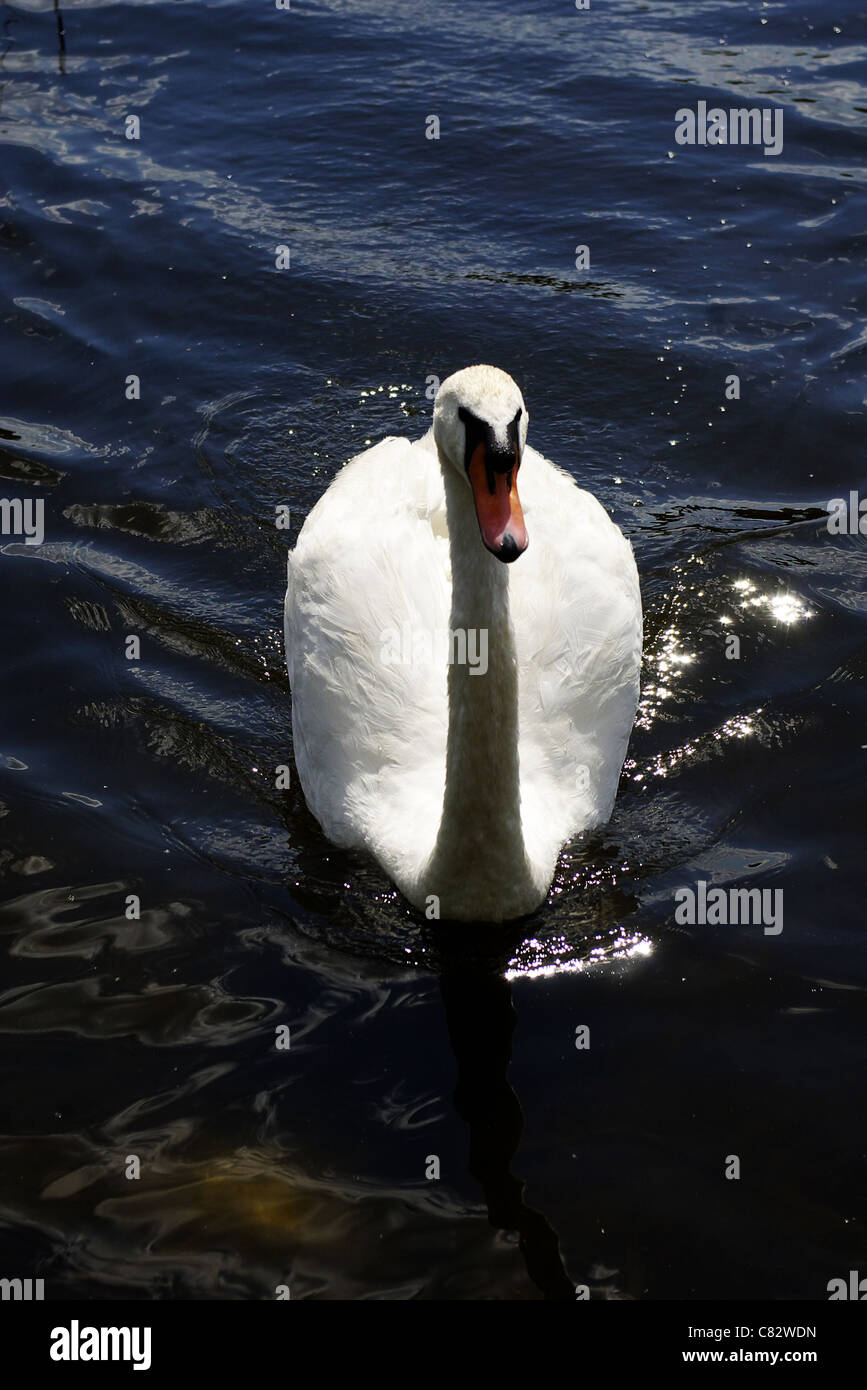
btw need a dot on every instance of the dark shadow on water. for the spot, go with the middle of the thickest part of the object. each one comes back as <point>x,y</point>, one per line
<point>61,39</point>
<point>481,1021</point>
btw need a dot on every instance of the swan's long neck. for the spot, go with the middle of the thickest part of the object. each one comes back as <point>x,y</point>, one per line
<point>480,848</point>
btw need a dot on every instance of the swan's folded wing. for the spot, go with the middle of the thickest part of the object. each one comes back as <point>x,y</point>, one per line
<point>369,573</point>
<point>576,607</point>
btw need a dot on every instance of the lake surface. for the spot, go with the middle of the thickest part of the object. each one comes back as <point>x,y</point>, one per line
<point>410,257</point>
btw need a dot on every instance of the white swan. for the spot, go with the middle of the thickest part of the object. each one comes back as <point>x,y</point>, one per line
<point>464,784</point>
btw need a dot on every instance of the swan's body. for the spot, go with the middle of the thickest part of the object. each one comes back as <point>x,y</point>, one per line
<point>464,786</point>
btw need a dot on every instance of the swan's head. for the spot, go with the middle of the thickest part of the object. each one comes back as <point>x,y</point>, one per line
<point>480,427</point>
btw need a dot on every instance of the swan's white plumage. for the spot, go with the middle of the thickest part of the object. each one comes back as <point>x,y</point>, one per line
<point>370,737</point>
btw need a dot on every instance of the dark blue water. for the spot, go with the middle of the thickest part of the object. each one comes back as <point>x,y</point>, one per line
<point>410,258</point>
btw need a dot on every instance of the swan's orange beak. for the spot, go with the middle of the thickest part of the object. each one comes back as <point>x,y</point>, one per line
<point>498,506</point>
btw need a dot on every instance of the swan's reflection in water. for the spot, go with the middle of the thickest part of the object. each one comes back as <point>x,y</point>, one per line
<point>481,1019</point>
<point>477,967</point>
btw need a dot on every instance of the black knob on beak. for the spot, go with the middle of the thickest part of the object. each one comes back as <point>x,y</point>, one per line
<point>509,550</point>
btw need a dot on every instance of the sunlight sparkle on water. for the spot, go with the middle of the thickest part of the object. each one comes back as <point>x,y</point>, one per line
<point>784,607</point>
<point>539,960</point>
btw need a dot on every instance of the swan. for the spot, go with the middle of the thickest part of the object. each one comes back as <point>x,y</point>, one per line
<point>463,657</point>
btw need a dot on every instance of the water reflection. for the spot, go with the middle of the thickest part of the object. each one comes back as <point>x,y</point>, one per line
<point>481,1020</point>
<point>477,968</point>
<point>61,39</point>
